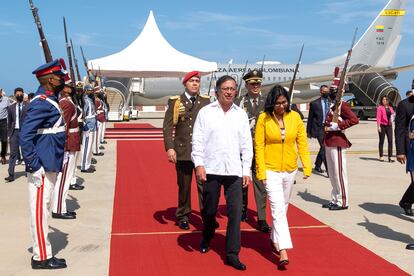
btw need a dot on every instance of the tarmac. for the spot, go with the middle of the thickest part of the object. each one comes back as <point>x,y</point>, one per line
<point>374,219</point>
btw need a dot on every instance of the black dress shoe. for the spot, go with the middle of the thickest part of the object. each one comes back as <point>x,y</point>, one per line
<point>76,187</point>
<point>99,154</point>
<point>90,170</point>
<point>52,263</point>
<point>336,207</point>
<point>243,216</point>
<point>93,161</point>
<point>104,142</point>
<point>410,246</point>
<point>407,208</point>
<point>9,179</point>
<point>328,205</point>
<point>216,224</point>
<point>101,147</point>
<point>183,224</point>
<point>235,262</point>
<point>263,226</point>
<point>73,213</point>
<point>66,215</point>
<point>204,246</point>
<point>319,170</point>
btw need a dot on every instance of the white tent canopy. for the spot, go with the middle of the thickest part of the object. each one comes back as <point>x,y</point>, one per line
<point>150,55</point>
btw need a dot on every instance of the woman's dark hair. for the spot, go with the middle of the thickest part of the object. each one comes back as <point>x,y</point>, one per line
<point>386,97</point>
<point>273,95</point>
<point>223,79</point>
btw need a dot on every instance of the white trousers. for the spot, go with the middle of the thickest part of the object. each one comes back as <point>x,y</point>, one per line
<point>279,189</point>
<point>96,138</point>
<point>102,137</point>
<point>336,160</point>
<point>86,153</point>
<point>39,202</point>
<point>74,178</point>
<point>62,183</point>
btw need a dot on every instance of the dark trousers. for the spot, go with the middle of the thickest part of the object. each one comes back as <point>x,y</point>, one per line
<point>408,196</point>
<point>233,194</point>
<point>260,196</point>
<point>14,151</point>
<point>321,158</point>
<point>385,130</point>
<point>185,171</point>
<point>3,137</point>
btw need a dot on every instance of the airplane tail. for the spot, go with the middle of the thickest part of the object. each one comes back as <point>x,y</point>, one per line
<point>379,43</point>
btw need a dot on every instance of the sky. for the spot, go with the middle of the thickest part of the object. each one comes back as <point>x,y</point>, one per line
<point>211,30</point>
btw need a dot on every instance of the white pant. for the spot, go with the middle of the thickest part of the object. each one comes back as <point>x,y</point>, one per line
<point>62,183</point>
<point>96,138</point>
<point>39,202</point>
<point>74,179</point>
<point>86,153</point>
<point>102,137</point>
<point>335,158</point>
<point>279,188</point>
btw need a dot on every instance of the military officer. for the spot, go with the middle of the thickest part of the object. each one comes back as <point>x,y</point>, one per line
<point>72,145</point>
<point>42,139</point>
<point>253,103</point>
<point>180,115</point>
<point>89,129</point>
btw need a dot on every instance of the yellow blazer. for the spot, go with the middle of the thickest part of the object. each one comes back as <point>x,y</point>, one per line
<point>273,154</point>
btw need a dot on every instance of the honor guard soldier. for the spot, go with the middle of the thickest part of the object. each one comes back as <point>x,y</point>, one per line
<point>72,145</point>
<point>42,139</point>
<point>100,118</point>
<point>336,144</point>
<point>253,103</point>
<point>89,129</point>
<point>180,115</point>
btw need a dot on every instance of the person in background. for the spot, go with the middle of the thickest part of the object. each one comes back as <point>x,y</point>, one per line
<point>280,137</point>
<point>385,115</point>
<point>16,114</point>
<point>4,103</point>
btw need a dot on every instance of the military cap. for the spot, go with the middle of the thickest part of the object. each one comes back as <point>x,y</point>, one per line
<point>54,67</point>
<point>253,76</point>
<point>190,75</point>
<point>79,84</point>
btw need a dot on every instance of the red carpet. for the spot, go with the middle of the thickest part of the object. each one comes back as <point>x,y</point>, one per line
<point>132,125</point>
<point>146,241</point>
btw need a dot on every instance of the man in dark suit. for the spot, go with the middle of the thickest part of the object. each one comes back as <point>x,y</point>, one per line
<point>15,117</point>
<point>181,114</point>
<point>315,126</point>
<point>403,114</point>
<point>253,103</point>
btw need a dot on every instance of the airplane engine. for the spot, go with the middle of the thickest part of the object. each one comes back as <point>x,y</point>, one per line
<point>369,88</point>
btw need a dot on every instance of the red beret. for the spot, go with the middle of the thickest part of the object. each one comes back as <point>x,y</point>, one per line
<point>190,75</point>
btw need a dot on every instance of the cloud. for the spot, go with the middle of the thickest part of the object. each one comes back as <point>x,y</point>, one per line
<point>87,39</point>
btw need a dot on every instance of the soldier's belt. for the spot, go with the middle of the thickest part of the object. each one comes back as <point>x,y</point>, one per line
<point>74,130</point>
<point>51,130</point>
<point>90,117</point>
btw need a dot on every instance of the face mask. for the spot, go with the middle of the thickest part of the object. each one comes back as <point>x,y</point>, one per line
<point>325,95</point>
<point>19,98</point>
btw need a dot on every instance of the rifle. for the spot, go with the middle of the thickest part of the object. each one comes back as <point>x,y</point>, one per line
<point>86,65</point>
<point>211,81</point>
<point>241,79</point>
<point>292,83</point>
<point>45,45</point>
<point>76,61</point>
<point>69,53</point>
<point>263,60</point>
<point>341,84</point>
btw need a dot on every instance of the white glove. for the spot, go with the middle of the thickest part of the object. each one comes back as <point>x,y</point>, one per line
<point>36,178</point>
<point>333,126</point>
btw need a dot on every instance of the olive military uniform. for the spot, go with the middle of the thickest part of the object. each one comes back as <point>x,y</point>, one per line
<point>253,109</point>
<point>185,113</point>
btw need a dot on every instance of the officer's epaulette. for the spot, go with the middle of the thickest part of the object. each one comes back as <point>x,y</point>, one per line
<point>205,96</point>
<point>174,97</point>
<point>43,97</point>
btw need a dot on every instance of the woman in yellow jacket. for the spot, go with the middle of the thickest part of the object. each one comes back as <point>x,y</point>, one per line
<point>279,137</point>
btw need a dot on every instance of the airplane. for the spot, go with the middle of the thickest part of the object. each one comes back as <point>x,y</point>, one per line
<point>369,73</point>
